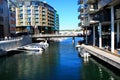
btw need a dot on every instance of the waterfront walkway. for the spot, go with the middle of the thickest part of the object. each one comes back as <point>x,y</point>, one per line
<point>106,56</point>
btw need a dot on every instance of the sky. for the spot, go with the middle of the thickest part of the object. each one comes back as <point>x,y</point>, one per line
<point>68,14</point>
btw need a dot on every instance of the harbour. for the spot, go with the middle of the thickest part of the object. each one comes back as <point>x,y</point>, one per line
<point>58,62</point>
<point>40,40</point>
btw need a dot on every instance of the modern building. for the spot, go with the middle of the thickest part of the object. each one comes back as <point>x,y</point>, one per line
<point>104,20</point>
<point>35,16</point>
<point>85,18</point>
<point>12,17</point>
<point>4,19</point>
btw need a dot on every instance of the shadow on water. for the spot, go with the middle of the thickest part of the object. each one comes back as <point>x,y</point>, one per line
<point>95,69</point>
<point>108,66</point>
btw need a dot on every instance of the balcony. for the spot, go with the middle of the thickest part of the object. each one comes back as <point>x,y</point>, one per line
<point>93,9</point>
<point>82,7</point>
<point>92,20</point>
<point>80,1</point>
<point>21,21</point>
<point>91,1</point>
<point>79,24</point>
<point>81,16</point>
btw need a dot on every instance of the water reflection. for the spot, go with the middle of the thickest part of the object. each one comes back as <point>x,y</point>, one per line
<point>59,62</point>
<point>95,71</point>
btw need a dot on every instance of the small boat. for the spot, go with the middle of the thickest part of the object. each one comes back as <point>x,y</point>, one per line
<point>32,48</point>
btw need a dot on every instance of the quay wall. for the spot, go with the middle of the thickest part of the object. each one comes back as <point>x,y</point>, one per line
<point>8,45</point>
<point>105,56</point>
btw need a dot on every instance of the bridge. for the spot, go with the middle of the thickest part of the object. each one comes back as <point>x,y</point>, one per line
<point>48,36</point>
<point>55,35</point>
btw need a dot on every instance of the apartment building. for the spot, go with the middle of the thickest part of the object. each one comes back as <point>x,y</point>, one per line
<point>34,16</point>
<point>103,17</point>
<point>12,17</point>
<point>4,19</point>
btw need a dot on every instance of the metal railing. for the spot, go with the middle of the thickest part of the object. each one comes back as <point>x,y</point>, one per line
<point>10,38</point>
<point>54,35</point>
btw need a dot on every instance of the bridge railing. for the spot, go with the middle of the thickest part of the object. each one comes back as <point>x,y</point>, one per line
<point>52,35</point>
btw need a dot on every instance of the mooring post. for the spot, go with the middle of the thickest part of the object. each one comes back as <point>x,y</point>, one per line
<point>73,39</point>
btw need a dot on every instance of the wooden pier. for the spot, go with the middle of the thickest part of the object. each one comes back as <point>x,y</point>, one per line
<point>110,58</point>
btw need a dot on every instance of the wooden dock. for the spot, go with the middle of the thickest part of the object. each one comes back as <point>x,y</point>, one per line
<point>110,58</point>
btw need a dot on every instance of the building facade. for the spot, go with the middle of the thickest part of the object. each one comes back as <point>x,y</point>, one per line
<point>56,28</point>
<point>12,17</point>
<point>104,19</point>
<point>34,16</point>
<point>4,19</point>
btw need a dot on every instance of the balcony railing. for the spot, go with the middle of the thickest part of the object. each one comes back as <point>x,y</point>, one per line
<point>79,24</point>
<point>92,21</point>
<point>91,1</point>
<point>81,16</point>
<point>83,6</point>
<point>93,8</point>
<point>80,1</point>
<point>92,11</point>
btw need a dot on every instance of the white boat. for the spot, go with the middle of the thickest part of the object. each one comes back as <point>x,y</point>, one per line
<point>32,48</point>
<point>77,46</point>
<point>43,44</point>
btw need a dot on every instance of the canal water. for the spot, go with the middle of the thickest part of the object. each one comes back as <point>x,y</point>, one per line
<point>58,62</point>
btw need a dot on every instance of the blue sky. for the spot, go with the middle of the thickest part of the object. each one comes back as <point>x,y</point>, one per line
<point>67,10</point>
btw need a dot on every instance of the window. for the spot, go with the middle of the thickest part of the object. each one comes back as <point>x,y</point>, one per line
<point>29,19</point>
<point>1,19</point>
<point>20,4</point>
<point>28,11</point>
<point>1,10</point>
<point>34,3</point>
<point>21,15</point>
<point>28,7</point>
<point>29,16</point>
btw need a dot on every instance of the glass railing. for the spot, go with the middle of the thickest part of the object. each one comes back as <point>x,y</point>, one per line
<point>90,1</point>
<point>80,1</point>
<point>103,3</point>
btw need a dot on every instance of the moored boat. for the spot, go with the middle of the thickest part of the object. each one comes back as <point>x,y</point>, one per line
<point>43,44</point>
<point>32,48</point>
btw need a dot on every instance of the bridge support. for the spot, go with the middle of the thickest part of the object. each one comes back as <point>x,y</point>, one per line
<point>73,39</point>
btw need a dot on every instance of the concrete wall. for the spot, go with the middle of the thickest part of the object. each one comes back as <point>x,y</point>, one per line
<point>8,45</point>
